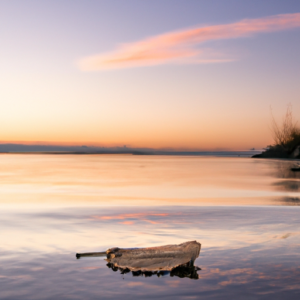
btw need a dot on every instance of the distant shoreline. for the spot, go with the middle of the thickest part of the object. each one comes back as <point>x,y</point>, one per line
<point>146,153</point>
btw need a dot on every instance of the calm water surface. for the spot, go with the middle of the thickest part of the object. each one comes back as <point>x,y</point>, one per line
<point>243,211</point>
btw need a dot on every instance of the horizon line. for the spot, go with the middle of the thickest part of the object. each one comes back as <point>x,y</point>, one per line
<point>123,147</point>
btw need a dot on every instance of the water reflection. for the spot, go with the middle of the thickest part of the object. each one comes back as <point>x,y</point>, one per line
<point>291,201</point>
<point>248,252</point>
<point>182,271</point>
<point>291,180</point>
<point>120,180</point>
<point>283,169</point>
<point>60,205</point>
<point>288,185</point>
<point>236,274</point>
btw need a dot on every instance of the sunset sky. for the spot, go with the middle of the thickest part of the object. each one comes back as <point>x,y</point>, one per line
<point>160,74</point>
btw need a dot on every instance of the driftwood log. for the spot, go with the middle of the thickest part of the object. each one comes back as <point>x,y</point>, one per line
<point>152,259</point>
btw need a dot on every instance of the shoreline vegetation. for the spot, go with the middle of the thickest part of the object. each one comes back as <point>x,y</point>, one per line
<point>286,138</point>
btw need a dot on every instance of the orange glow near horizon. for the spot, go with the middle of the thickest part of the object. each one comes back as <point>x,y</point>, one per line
<point>173,143</point>
<point>190,134</point>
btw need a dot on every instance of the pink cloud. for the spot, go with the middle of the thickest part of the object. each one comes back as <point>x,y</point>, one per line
<point>180,46</point>
<point>127,223</point>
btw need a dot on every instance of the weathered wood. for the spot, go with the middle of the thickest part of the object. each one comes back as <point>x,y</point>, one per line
<point>150,259</point>
<point>154,258</point>
<point>91,254</point>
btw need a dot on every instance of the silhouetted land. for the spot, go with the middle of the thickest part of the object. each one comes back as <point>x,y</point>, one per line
<point>277,152</point>
<point>290,149</point>
<point>286,138</point>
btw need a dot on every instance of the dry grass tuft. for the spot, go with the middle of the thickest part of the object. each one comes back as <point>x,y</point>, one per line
<point>287,134</point>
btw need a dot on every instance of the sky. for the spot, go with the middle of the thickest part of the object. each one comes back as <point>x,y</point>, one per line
<point>195,75</point>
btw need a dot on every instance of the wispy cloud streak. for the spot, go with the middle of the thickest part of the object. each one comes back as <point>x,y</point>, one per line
<point>181,46</point>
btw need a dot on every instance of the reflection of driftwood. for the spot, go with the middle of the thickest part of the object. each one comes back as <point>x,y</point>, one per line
<point>182,271</point>
<point>179,259</point>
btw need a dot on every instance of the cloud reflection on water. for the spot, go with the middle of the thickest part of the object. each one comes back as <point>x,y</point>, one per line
<point>96,229</point>
<point>246,251</point>
<point>224,275</point>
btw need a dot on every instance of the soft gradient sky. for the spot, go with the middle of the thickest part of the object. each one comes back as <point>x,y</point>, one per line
<point>180,74</point>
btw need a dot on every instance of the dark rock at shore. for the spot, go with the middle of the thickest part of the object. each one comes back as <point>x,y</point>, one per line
<point>278,152</point>
<point>271,154</point>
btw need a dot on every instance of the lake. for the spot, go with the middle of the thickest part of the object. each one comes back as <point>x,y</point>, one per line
<point>243,211</point>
